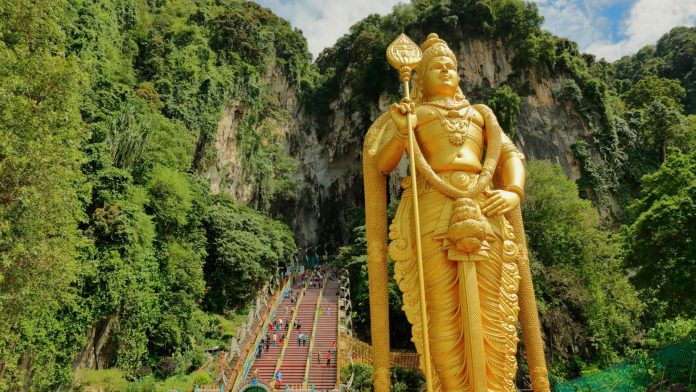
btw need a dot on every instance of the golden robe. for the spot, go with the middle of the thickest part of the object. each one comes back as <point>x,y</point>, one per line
<point>497,278</point>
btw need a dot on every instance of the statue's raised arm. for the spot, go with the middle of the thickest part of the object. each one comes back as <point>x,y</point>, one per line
<point>469,242</point>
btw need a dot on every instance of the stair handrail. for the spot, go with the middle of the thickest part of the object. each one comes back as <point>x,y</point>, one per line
<point>344,291</point>
<point>247,356</point>
<point>289,331</point>
<point>338,342</point>
<point>310,353</point>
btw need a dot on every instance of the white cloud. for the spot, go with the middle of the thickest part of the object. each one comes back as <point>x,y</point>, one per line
<point>588,23</point>
<point>648,20</point>
<point>324,21</point>
<point>578,20</point>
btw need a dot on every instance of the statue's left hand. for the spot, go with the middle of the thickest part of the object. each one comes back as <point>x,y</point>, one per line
<point>499,202</point>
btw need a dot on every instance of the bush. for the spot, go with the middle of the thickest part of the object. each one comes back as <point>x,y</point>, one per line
<point>362,376</point>
<point>201,378</point>
<point>197,359</point>
<point>166,367</point>
<point>505,104</point>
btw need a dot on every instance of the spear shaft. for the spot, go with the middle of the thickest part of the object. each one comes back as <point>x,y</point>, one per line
<point>405,77</point>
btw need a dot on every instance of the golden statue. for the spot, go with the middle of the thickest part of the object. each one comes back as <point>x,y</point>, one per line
<point>461,252</point>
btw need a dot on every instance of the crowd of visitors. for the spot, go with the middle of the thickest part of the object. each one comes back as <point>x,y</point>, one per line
<point>279,327</point>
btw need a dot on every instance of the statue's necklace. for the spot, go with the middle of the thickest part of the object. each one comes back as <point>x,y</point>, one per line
<point>448,104</point>
<point>456,124</point>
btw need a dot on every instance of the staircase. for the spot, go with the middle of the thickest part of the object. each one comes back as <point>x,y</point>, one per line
<point>322,377</point>
<point>293,364</point>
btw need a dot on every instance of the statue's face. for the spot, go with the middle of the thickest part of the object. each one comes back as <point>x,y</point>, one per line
<point>440,77</point>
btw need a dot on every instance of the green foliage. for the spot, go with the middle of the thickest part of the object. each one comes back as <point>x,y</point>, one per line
<point>41,203</point>
<point>110,380</point>
<point>406,379</point>
<point>362,376</point>
<point>593,184</point>
<point>356,61</point>
<point>105,106</point>
<point>505,104</point>
<point>170,199</point>
<point>651,89</point>
<point>670,331</point>
<point>583,293</point>
<point>658,244</point>
<point>402,379</point>
<point>569,91</point>
<point>673,57</point>
<point>657,117</point>
<point>244,245</point>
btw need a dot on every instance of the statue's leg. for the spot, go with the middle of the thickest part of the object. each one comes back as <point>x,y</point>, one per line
<point>498,279</point>
<point>446,338</point>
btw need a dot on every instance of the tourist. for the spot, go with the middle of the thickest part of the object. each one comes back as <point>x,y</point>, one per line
<point>279,378</point>
<point>275,339</point>
<point>333,347</point>
<point>287,325</point>
<point>328,358</point>
<point>299,325</point>
<point>321,310</point>
<point>328,310</point>
<point>304,340</point>
<point>299,339</point>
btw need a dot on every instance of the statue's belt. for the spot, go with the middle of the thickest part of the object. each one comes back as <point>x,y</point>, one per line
<point>467,234</point>
<point>462,180</point>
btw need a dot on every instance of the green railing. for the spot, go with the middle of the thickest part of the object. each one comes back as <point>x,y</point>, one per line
<point>675,363</point>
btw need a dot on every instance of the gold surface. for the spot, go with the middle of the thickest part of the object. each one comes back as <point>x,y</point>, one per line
<point>457,239</point>
<point>403,54</point>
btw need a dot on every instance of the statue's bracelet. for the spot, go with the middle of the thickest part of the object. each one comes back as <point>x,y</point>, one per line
<point>515,189</point>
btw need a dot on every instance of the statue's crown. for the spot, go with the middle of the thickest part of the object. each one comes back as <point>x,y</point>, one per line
<point>434,47</point>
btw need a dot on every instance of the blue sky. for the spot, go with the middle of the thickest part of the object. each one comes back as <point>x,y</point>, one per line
<point>606,28</point>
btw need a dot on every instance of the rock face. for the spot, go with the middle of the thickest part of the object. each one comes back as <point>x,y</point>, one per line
<point>328,148</point>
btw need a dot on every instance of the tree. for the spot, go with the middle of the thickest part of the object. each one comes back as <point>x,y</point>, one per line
<point>585,299</point>
<point>41,198</point>
<point>657,115</point>
<point>652,88</point>
<point>659,243</point>
<point>244,251</point>
<point>506,104</point>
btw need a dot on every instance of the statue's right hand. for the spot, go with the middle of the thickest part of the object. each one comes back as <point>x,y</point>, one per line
<point>400,112</point>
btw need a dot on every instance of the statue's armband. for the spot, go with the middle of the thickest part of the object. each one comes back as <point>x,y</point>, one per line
<point>390,148</point>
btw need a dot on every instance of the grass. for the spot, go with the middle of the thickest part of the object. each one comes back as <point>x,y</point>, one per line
<point>109,380</point>
<point>113,380</point>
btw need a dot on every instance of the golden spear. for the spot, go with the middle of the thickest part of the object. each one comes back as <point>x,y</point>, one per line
<point>404,55</point>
